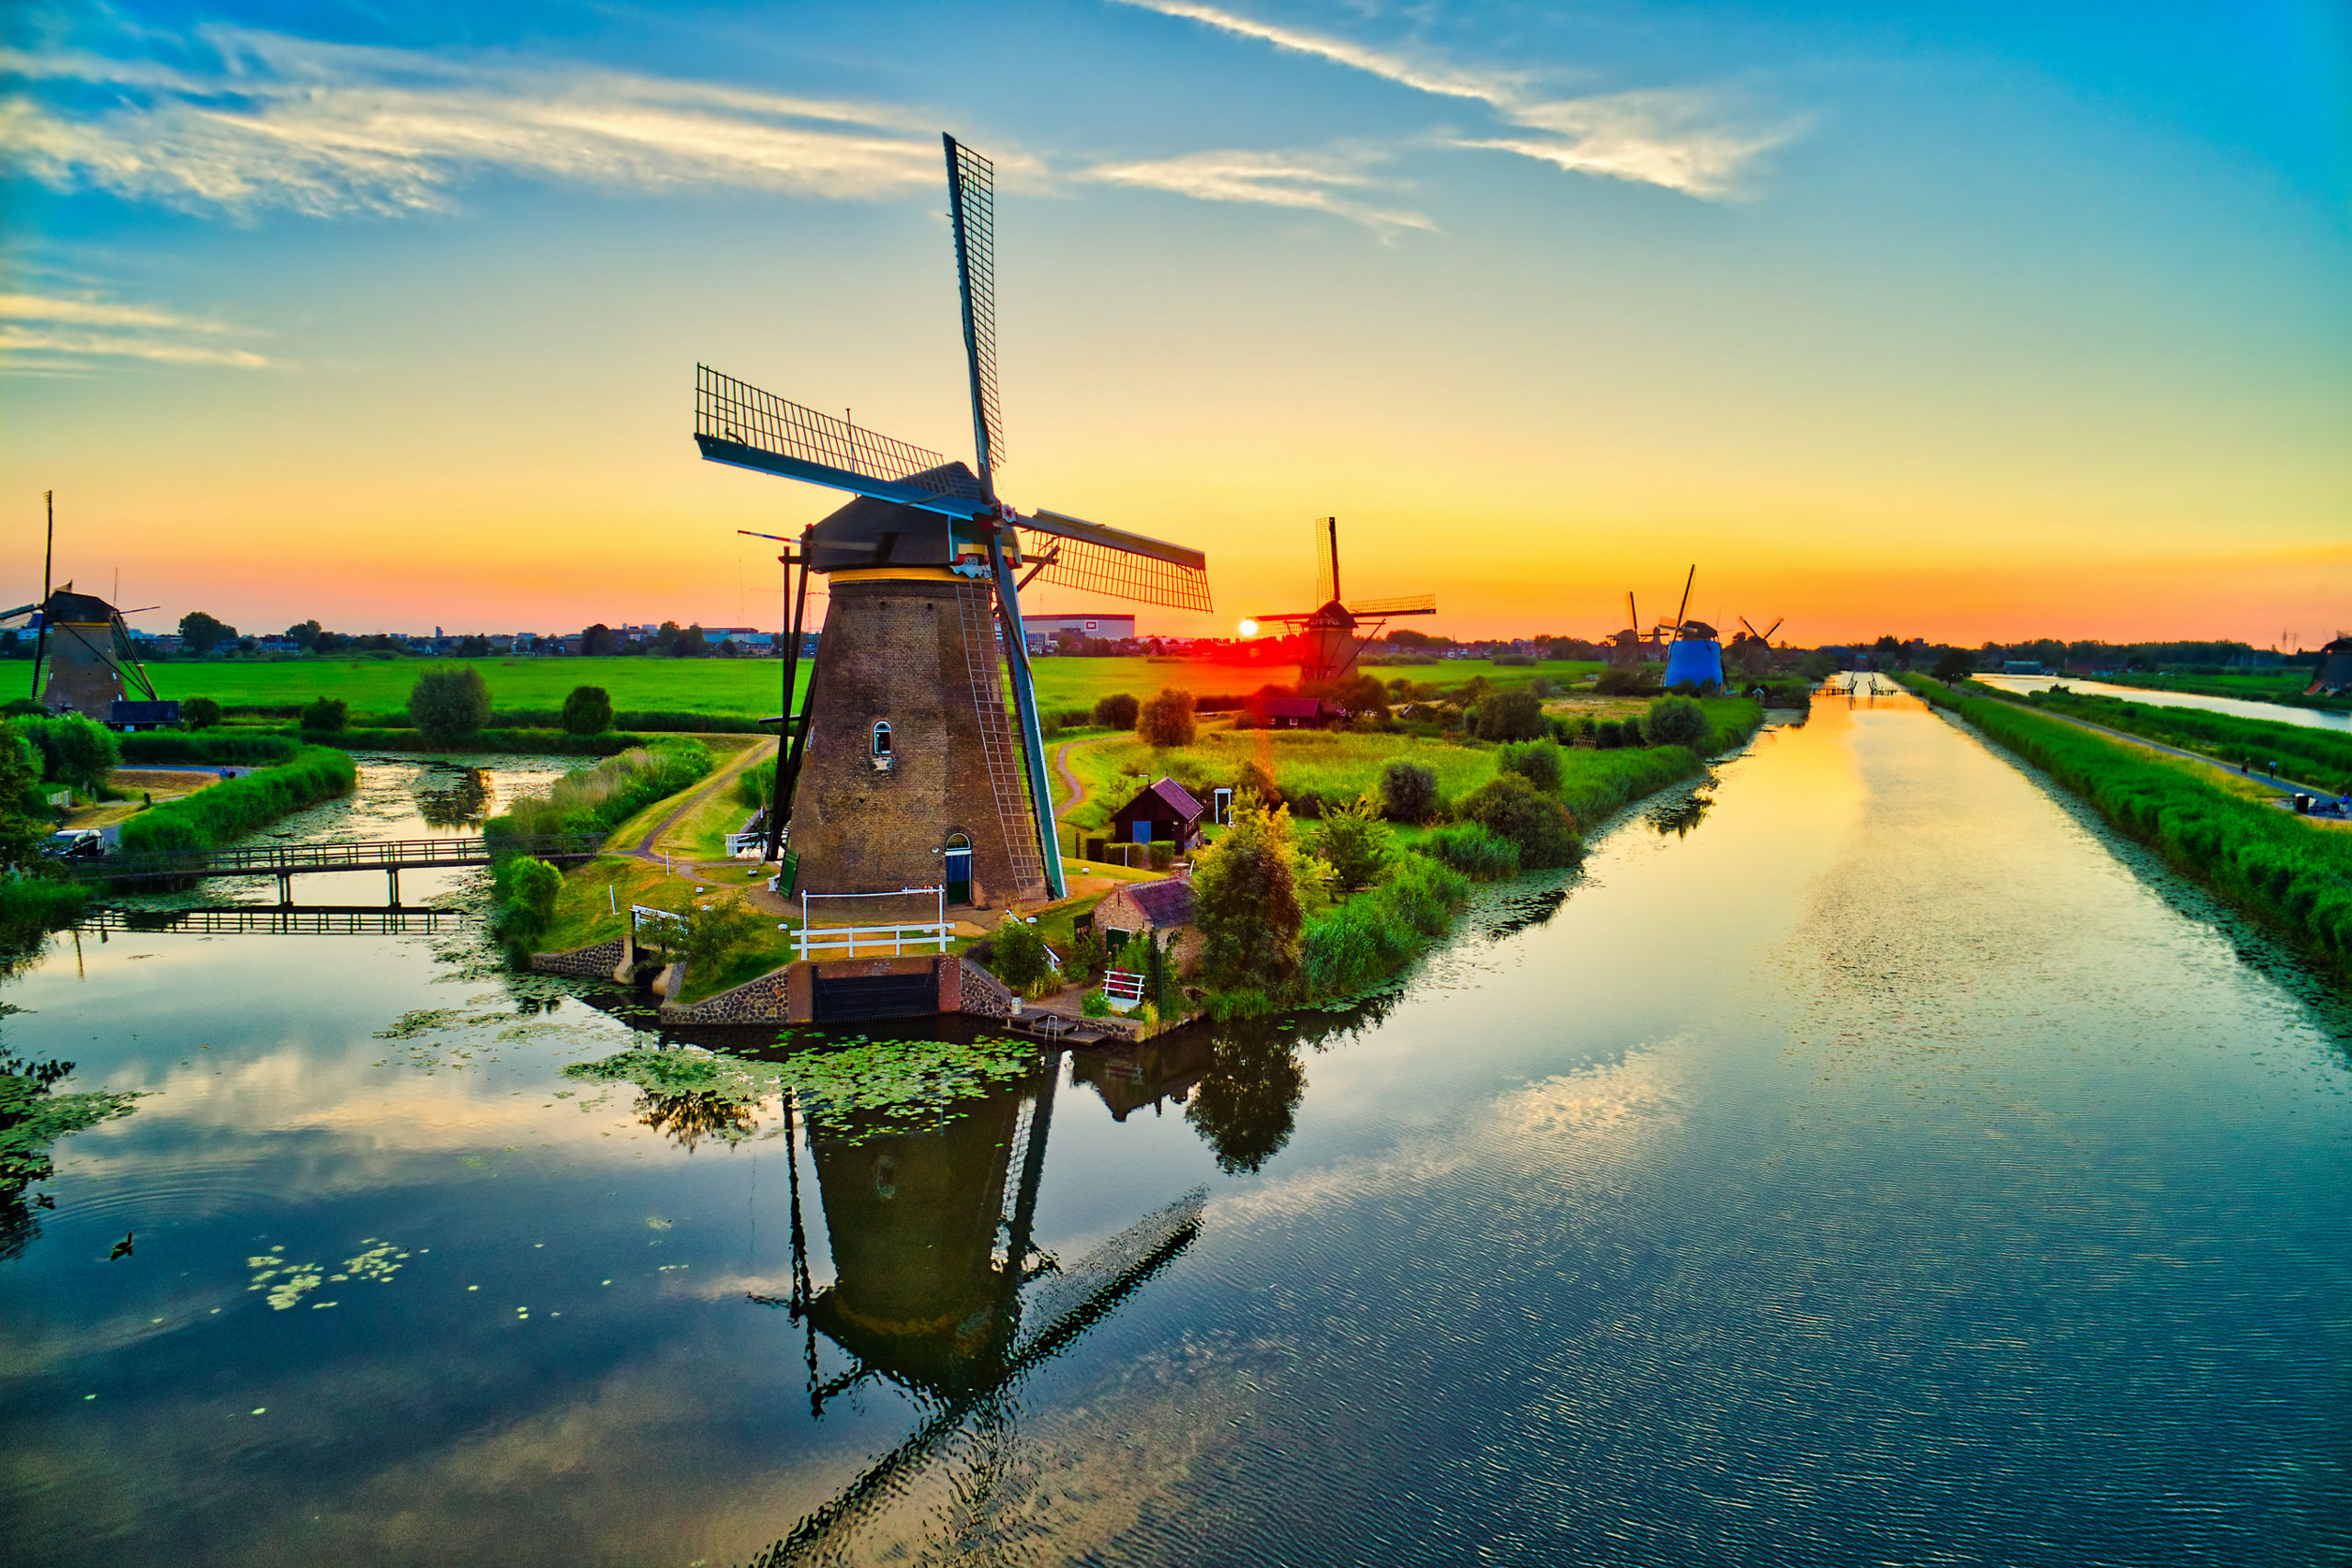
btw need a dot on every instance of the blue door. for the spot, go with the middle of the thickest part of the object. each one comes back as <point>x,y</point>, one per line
<point>959,870</point>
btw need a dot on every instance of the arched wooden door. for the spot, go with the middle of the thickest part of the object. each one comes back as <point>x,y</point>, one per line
<point>959,868</point>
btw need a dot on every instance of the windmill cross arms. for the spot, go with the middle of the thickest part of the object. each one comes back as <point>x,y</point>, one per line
<point>1410,605</point>
<point>736,423</point>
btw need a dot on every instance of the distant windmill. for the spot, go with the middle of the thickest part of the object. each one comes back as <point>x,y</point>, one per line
<point>1332,636</point>
<point>1752,650</point>
<point>82,643</point>
<point>1626,647</point>
<point>1695,657</point>
<point>903,770</point>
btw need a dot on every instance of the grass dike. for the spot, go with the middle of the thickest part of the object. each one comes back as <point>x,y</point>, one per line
<point>2291,876</point>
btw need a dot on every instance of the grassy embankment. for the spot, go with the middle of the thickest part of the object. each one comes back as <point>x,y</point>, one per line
<point>2304,753</point>
<point>2291,876</point>
<point>2284,688</point>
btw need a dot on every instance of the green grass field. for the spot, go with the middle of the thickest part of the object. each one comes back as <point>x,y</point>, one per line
<point>740,688</point>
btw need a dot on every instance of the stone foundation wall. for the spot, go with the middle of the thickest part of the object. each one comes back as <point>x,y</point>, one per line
<point>767,1000</point>
<point>596,962</point>
<point>983,993</point>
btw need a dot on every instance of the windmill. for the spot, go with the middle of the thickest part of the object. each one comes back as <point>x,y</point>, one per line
<point>84,644</point>
<point>1752,650</point>
<point>1694,657</point>
<point>1331,637</point>
<point>902,768</point>
<point>940,1288</point>
<point>1626,647</point>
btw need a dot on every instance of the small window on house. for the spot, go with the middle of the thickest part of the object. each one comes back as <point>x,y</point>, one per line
<point>882,737</point>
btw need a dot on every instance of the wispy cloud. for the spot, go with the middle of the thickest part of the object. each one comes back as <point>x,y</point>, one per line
<point>68,333</point>
<point>1674,138</point>
<point>271,121</point>
<point>1328,183</point>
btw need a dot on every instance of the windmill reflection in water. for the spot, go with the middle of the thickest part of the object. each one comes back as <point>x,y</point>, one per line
<point>939,1285</point>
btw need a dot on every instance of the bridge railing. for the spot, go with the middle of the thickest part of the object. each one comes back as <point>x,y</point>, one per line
<point>277,860</point>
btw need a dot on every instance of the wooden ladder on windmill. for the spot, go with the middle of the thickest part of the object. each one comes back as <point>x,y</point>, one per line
<point>1008,778</point>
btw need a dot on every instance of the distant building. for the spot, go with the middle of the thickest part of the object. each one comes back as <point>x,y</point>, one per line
<point>1043,631</point>
<point>1165,811</point>
<point>2021,667</point>
<point>135,716</point>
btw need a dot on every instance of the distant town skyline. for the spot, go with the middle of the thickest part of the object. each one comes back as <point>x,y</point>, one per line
<point>2010,324</point>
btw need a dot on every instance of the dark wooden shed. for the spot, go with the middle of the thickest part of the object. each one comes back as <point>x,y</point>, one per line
<point>1165,811</point>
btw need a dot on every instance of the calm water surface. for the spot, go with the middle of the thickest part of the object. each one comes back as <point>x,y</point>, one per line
<point>1868,1160</point>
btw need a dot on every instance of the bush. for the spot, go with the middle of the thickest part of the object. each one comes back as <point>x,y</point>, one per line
<point>1537,761</point>
<point>1408,792</point>
<point>215,815</point>
<point>1623,683</point>
<point>73,750</point>
<point>198,713</point>
<point>716,931</point>
<point>1160,853</point>
<point>1117,711</point>
<point>1472,851</point>
<point>1167,719</point>
<point>1678,721</point>
<point>1511,715</point>
<point>172,745</point>
<point>1019,955</point>
<point>1258,781</point>
<point>1539,827</point>
<point>755,785</point>
<point>522,899</point>
<point>1356,841</point>
<point>328,716</point>
<point>1096,1004</point>
<point>587,711</point>
<point>1370,936</point>
<point>449,704</point>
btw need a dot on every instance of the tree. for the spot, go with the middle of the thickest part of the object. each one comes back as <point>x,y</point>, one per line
<point>305,634</point>
<point>21,765</point>
<point>327,715</point>
<point>1537,761</point>
<point>449,704</point>
<point>1678,721</point>
<point>1954,667</point>
<point>1509,807</point>
<point>523,895</point>
<point>599,638</point>
<point>200,712</point>
<point>587,711</point>
<point>1356,841</point>
<point>1409,792</point>
<point>1245,904</point>
<point>1258,782</point>
<point>200,634</point>
<point>1018,955</point>
<point>1167,719</point>
<point>1511,715</point>
<point>691,644</point>
<point>1117,711</point>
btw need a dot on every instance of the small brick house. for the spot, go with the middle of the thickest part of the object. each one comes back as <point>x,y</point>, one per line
<point>1165,811</point>
<point>1161,908</point>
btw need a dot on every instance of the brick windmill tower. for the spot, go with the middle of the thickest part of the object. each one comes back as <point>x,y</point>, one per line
<point>905,768</point>
<point>82,645</point>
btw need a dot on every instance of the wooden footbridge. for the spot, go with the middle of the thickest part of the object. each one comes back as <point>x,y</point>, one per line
<point>277,919</point>
<point>286,862</point>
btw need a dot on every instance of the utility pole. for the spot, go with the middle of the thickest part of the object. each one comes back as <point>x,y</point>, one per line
<point>48,554</point>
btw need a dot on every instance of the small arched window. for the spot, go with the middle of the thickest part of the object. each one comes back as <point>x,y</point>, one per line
<point>882,737</point>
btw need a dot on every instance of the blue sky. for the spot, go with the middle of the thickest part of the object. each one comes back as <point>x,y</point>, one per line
<point>1889,323</point>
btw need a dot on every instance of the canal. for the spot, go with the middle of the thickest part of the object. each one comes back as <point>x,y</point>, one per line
<point>2274,712</point>
<point>1866,1158</point>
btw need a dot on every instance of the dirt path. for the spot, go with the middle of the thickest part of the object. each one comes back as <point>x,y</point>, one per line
<point>719,780</point>
<point>1061,766</point>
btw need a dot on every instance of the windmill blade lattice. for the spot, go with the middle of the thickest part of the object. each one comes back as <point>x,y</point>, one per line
<point>737,422</point>
<point>971,181</point>
<point>1406,605</point>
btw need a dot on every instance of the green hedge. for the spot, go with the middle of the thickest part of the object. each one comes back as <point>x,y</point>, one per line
<point>218,813</point>
<point>34,906</point>
<point>1377,932</point>
<point>503,742</point>
<point>168,746</point>
<point>2292,875</point>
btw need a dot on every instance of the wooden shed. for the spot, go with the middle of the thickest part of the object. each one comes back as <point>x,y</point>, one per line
<point>1165,811</point>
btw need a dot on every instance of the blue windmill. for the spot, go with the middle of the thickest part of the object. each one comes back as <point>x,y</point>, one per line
<point>901,769</point>
<point>1696,654</point>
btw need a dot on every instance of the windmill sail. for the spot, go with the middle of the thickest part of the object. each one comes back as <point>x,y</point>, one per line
<point>736,423</point>
<point>1096,559</point>
<point>971,189</point>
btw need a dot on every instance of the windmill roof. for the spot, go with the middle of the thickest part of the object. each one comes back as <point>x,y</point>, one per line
<point>78,609</point>
<point>868,533</point>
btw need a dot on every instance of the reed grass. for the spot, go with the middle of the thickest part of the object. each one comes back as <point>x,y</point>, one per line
<point>2304,753</point>
<point>215,815</point>
<point>597,799</point>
